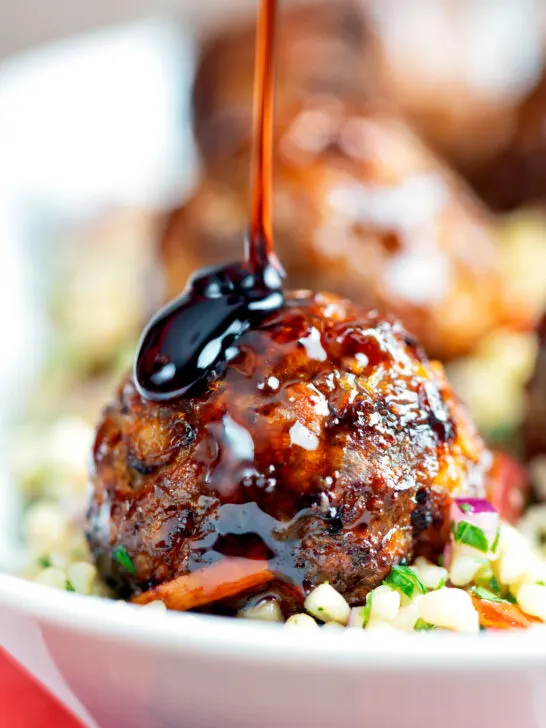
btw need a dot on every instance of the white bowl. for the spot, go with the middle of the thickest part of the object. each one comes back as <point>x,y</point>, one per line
<point>120,666</point>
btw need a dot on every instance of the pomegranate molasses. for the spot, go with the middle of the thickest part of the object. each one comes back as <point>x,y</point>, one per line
<point>189,341</point>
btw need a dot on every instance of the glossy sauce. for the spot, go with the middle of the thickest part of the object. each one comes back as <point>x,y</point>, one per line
<point>188,343</point>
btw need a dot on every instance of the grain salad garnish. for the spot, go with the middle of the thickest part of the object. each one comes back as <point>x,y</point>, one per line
<point>490,576</point>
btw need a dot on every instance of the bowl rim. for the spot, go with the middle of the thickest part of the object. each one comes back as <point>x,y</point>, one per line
<point>175,633</point>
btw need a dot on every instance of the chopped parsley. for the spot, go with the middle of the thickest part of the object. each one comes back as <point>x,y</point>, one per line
<point>441,560</point>
<point>44,562</point>
<point>405,580</point>
<point>511,598</point>
<point>482,593</point>
<point>494,586</point>
<point>366,610</point>
<point>471,535</point>
<point>68,586</point>
<point>441,583</point>
<point>123,558</point>
<point>421,625</point>
<point>466,508</point>
<point>495,545</point>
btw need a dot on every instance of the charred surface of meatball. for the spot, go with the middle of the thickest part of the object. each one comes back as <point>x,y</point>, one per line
<point>330,446</point>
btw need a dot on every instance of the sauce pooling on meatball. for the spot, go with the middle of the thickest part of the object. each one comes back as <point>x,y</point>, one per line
<point>189,342</point>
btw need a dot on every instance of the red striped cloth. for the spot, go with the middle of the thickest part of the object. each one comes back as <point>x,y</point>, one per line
<point>24,704</point>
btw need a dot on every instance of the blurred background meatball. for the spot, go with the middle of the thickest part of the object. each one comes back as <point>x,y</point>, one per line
<point>516,176</point>
<point>424,64</point>
<point>319,54</point>
<point>458,69</point>
<point>362,208</point>
<point>329,447</point>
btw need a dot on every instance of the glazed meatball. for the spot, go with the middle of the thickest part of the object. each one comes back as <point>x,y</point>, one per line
<point>329,447</point>
<point>362,208</point>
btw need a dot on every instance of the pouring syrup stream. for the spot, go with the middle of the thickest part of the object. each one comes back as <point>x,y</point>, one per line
<point>259,250</point>
<point>188,343</point>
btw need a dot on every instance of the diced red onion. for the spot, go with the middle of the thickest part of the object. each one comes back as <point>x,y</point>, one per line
<point>476,505</point>
<point>479,512</point>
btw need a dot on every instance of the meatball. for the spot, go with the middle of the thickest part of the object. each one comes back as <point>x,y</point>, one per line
<point>363,209</point>
<point>328,448</point>
<point>458,69</point>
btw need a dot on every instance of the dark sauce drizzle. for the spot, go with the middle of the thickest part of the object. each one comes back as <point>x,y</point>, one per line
<point>188,343</point>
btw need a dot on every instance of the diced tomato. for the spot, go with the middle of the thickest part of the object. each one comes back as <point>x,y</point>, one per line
<point>507,487</point>
<point>501,615</point>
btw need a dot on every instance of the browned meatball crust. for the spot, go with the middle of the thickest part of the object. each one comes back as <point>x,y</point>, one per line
<point>329,447</point>
<point>363,209</point>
